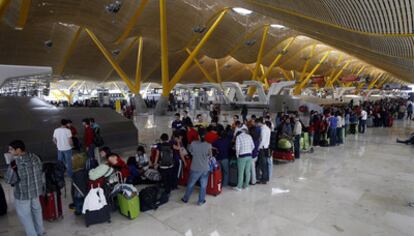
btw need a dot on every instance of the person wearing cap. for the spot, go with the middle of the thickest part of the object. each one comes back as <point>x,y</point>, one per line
<point>244,152</point>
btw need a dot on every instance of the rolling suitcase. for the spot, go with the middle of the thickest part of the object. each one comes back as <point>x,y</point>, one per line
<point>51,206</point>
<point>283,155</point>
<point>128,207</point>
<point>233,173</point>
<point>214,182</point>
<point>99,216</point>
<point>185,173</point>
<point>3,202</point>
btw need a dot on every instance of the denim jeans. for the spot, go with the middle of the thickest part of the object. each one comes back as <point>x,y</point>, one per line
<point>244,166</point>
<point>332,136</point>
<point>254,178</point>
<point>270,164</point>
<point>66,157</point>
<point>194,177</point>
<point>224,165</point>
<point>262,169</point>
<point>296,146</point>
<point>362,126</point>
<point>30,215</point>
<point>91,151</point>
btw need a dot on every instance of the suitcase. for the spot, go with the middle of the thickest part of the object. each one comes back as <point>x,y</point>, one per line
<point>51,206</point>
<point>283,155</point>
<point>214,182</point>
<point>3,202</point>
<point>128,207</point>
<point>100,216</point>
<point>185,173</point>
<point>306,141</point>
<point>370,122</point>
<point>233,173</point>
<point>284,144</point>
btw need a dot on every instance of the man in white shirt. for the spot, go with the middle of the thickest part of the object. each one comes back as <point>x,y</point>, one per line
<point>362,124</point>
<point>339,128</point>
<point>244,152</point>
<point>297,132</point>
<point>263,166</point>
<point>62,137</point>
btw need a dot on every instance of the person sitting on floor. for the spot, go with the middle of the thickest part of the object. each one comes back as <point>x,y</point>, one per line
<point>407,141</point>
<point>116,162</point>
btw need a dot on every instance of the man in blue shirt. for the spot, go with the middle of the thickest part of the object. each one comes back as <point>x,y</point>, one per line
<point>177,124</point>
<point>221,149</point>
<point>333,122</point>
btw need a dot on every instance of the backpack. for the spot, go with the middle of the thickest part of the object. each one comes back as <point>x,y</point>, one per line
<point>152,197</point>
<point>97,138</point>
<point>166,155</point>
<point>54,175</point>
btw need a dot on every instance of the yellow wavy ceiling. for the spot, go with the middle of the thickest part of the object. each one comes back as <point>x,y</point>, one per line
<point>376,36</point>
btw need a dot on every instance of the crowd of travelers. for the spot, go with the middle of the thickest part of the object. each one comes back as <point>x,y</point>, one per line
<point>197,152</point>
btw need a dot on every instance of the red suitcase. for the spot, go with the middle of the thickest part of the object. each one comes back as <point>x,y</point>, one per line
<point>51,206</point>
<point>214,182</point>
<point>283,155</point>
<point>185,173</point>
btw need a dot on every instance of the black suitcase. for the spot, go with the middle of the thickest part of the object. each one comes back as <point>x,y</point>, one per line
<point>233,175</point>
<point>3,202</point>
<point>100,216</point>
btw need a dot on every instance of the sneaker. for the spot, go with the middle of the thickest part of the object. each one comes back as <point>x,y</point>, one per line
<point>246,188</point>
<point>182,199</point>
<point>201,203</point>
<point>237,189</point>
<point>411,204</point>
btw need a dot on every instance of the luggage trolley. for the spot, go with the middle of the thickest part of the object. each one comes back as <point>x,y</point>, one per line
<point>284,151</point>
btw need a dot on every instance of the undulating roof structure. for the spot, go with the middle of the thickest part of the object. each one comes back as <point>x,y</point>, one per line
<point>345,37</point>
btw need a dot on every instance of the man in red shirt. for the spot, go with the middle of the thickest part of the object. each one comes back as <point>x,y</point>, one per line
<point>192,134</point>
<point>211,135</point>
<point>88,138</point>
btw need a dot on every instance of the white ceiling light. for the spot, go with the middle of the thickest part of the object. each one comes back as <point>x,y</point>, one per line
<point>242,11</point>
<point>277,26</point>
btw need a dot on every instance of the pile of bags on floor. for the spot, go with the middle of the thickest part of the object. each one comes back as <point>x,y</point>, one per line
<point>96,193</point>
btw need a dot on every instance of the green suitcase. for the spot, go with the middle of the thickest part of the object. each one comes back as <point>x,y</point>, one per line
<point>305,141</point>
<point>128,207</point>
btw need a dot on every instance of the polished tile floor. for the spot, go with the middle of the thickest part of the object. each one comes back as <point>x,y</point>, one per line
<point>360,188</point>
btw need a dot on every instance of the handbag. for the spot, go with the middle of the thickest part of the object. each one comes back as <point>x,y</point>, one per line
<point>11,176</point>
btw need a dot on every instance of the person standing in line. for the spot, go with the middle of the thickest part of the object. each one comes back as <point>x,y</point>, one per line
<point>409,110</point>
<point>88,138</point>
<point>177,124</point>
<point>332,124</point>
<point>255,134</point>
<point>297,132</point>
<point>164,162</point>
<point>201,151</point>
<point>264,141</point>
<point>339,127</point>
<point>269,157</point>
<point>244,150</point>
<point>362,124</point>
<point>244,113</point>
<point>186,120</point>
<point>28,189</point>
<point>62,137</point>
<point>221,148</point>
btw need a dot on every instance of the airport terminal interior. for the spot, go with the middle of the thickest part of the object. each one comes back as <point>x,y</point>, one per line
<point>206,117</point>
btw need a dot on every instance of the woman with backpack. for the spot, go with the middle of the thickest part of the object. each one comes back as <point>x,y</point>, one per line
<point>201,151</point>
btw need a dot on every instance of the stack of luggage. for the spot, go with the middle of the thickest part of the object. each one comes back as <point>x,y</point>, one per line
<point>284,151</point>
